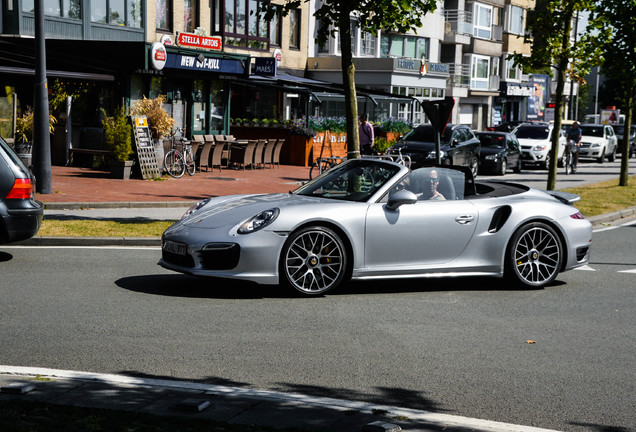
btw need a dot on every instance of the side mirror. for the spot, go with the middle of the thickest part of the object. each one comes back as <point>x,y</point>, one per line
<point>454,143</point>
<point>396,199</point>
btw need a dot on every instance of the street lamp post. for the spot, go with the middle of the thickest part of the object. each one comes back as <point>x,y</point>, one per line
<point>41,134</point>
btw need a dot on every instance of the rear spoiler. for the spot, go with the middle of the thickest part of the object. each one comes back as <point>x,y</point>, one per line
<point>564,197</point>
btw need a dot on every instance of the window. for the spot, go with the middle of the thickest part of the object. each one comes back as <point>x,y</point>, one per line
<point>164,14</point>
<point>482,21</point>
<point>479,72</point>
<point>190,15</point>
<point>513,72</point>
<point>516,20</point>
<point>57,8</point>
<point>404,46</point>
<point>367,47</point>
<point>275,29</point>
<point>244,24</point>
<point>294,29</point>
<point>118,12</point>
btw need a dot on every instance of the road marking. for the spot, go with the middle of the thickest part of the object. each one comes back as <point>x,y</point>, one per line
<point>585,268</point>
<point>427,417</point>
<point>628,271</point>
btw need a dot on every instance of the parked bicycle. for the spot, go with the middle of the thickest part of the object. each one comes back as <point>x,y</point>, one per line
<point>569,159</point>
<point>322,164</point>
<point>179,161</point>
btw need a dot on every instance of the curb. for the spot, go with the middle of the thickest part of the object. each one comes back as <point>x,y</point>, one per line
<point>115,204</point>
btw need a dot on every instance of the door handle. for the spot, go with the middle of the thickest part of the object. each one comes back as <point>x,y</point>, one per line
<point>465,219</point>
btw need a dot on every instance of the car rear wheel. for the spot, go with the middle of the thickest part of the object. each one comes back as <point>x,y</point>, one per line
<point>534,255</point>
<point>313,261</point>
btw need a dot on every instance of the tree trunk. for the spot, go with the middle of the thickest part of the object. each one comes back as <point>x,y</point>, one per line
<point>624,175</point>
<point>349,84</point>
<point>561,69</point>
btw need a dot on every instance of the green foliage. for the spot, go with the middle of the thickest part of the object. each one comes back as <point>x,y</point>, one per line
<point>118,134</point>
<point>24,126</point>
<point>381,144</point>
<point>396,125</point>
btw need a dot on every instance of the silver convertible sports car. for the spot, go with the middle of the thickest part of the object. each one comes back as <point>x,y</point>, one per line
<point>374,219</point>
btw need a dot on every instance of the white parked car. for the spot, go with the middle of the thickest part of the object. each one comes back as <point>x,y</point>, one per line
<point>598,142</point>
<point>535,142</point>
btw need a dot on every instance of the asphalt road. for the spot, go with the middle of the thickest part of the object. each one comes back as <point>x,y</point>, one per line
<point>559,358</point>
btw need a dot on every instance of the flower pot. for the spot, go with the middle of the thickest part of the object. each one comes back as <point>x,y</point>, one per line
<point>121,169</point>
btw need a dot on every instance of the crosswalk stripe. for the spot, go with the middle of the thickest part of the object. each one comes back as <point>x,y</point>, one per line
<point>585,268</point>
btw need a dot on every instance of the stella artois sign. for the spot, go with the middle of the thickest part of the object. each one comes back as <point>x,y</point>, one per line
<point>196,41</point>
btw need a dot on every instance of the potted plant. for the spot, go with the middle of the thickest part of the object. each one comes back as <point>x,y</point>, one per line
<point>118,139</point>
<point>24,134</point>
<point>160,122</point>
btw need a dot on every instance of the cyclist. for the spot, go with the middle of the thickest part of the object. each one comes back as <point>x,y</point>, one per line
<point>573,136</point>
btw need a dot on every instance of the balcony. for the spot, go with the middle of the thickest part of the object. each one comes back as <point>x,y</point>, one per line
<point>458,26</point>
<point>459,75</point>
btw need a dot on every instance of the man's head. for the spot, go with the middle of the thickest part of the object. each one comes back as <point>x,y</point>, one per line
<point>433,180</point>
<point>363,117</point>
<point>575,125</point>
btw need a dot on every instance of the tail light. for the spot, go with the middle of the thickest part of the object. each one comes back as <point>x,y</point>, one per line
<point>22,189</point>
<point>577,215</point>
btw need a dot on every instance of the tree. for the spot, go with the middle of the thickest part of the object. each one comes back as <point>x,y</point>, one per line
<point>612,31</point>
<point>550,33</point>
<point>370,16</point>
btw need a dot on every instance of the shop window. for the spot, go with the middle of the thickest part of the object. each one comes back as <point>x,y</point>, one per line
<point>190,15</point>
<point>482,21</point>
<point>294,29</point>
<point>164,15</point>
<point>245,24</point>
<point>117,12</point>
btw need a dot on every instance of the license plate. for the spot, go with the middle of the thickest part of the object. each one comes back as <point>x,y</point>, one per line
<point>174,247</point>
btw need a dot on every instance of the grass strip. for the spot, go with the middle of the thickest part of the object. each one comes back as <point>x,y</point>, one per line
<point>605,197</point>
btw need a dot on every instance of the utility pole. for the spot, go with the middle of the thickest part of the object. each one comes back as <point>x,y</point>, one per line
<point>41,133</point>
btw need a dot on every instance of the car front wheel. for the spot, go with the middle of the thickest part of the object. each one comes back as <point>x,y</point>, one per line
<point>313,261</point>
<point>474,166</point>
<point>503,167</point>
<point>534,255</point>
<point>600,159</point>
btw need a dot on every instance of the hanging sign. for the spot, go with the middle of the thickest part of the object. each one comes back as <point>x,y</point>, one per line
<point>196,41</point>
<point>158,55</point>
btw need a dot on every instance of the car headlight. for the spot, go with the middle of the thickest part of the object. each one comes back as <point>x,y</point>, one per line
<point>433,154</point>
<point>595,145</point>
<point>195,207</point>
<point>491,157</point>
<point>539,147</point>
<point>259,221</point>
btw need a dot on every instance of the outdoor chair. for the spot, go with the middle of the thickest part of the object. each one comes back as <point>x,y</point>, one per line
<point>258,153</point>
<point>268,153</point>
<point>243,155</point>
<point>217,155</point>
<point>276,158</point>
<point>204,156</point>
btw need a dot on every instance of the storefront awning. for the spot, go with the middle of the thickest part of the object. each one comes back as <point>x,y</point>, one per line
<point>58,74</point>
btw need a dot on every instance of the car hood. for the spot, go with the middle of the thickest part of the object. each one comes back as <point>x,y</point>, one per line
<point>235,209</point>
<point>591,139</point>
<point>531,141</point>
<point>485,151</point>
<point>419,146</point>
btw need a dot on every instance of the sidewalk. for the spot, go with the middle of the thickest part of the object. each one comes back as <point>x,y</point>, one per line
<point>230,405</point>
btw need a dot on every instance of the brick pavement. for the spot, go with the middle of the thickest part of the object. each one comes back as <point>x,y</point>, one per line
<point>75,184</point>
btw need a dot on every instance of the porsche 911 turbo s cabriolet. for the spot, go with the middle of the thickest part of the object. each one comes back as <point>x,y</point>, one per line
<point>373,219</point>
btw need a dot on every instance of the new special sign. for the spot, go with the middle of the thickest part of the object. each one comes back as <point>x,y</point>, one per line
<point>195,41</point>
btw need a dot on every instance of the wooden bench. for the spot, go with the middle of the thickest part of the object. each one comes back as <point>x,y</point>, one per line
<point>93,152</point>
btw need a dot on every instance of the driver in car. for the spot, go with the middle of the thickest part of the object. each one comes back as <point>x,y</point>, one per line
<point>430,192</point>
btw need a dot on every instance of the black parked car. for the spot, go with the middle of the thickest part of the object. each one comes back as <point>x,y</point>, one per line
<point>499,151</point>
<point>458,146</point>
<point>20,214</point>
<point>619,130</point>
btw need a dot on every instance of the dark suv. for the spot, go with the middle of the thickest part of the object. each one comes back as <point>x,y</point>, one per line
<point>619,130</point>
<point>20,214</point>
<point>458,146</point>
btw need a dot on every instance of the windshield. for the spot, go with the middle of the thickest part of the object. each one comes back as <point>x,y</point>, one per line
<point>532,132</point>
<point>353,180</point>
<point>426,133</point>
<point>595,131</point>
<point>494,141</point>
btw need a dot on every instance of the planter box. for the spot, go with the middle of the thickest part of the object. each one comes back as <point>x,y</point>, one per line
<point>121,170</point>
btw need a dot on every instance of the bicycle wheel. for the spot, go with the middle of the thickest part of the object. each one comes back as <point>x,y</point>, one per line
<point>174,164</point>
<point>190,166</point>
<point>568,163</point>
<point>318,168</point>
